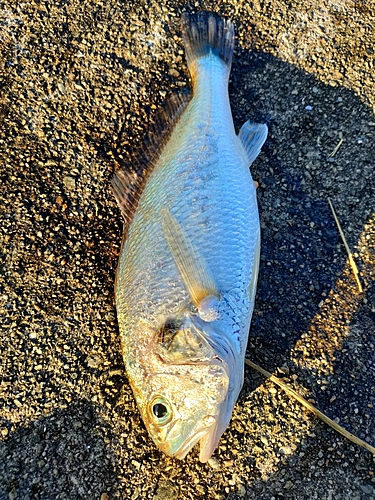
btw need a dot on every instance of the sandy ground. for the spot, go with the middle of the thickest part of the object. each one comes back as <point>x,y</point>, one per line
<point>79,83</point>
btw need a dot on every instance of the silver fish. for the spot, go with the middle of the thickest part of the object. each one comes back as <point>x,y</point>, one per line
<point>188,268</point>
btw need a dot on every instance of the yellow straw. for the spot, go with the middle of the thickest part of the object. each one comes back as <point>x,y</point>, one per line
<point>350,255</point>
<point>312,408</point>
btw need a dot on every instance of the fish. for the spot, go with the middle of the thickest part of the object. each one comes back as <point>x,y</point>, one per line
<point>188,266</point>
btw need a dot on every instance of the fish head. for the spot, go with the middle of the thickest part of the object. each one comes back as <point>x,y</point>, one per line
<point>185,405</point>
<point>187,397</point>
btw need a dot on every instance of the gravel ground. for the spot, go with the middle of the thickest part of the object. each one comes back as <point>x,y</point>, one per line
<point>80,82</point>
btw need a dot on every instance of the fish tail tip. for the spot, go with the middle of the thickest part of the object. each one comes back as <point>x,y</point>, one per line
<point>207,32</point>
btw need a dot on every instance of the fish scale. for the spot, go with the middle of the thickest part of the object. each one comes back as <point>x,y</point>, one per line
<point>187,271</point>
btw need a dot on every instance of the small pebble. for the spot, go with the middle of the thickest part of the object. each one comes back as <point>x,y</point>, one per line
<point>214,463</point>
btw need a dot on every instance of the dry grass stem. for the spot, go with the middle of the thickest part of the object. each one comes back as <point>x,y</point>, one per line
<point>336,148</point>
<point>312,408</point>
<point>350,255</point>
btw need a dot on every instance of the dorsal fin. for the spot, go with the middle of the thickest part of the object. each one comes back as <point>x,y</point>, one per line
<point>129,181</point>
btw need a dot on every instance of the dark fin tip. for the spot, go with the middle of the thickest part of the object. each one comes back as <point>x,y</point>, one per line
<point>205,32</point>
<point>130,179</point>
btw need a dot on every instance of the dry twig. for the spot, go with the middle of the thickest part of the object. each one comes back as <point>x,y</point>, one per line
<point>312,408</point>
<point>336,148</point>
<point>350,255</point>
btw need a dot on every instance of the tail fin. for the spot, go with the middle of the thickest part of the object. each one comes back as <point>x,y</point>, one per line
<point>206,32</point>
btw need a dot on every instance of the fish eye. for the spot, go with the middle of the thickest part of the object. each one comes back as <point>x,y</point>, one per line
<point>161,410</point>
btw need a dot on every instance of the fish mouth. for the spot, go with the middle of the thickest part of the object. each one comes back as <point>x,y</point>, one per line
<point>207,440</point>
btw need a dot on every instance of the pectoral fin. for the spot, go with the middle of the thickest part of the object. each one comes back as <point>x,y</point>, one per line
<point>253,136</point>
<point>190,264</point>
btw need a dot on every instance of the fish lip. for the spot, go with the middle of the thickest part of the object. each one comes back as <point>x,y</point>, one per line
<point>206,437</point>
<point>208,444</point>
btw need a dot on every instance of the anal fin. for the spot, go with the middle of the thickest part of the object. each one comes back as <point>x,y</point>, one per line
<point>253,136</point>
